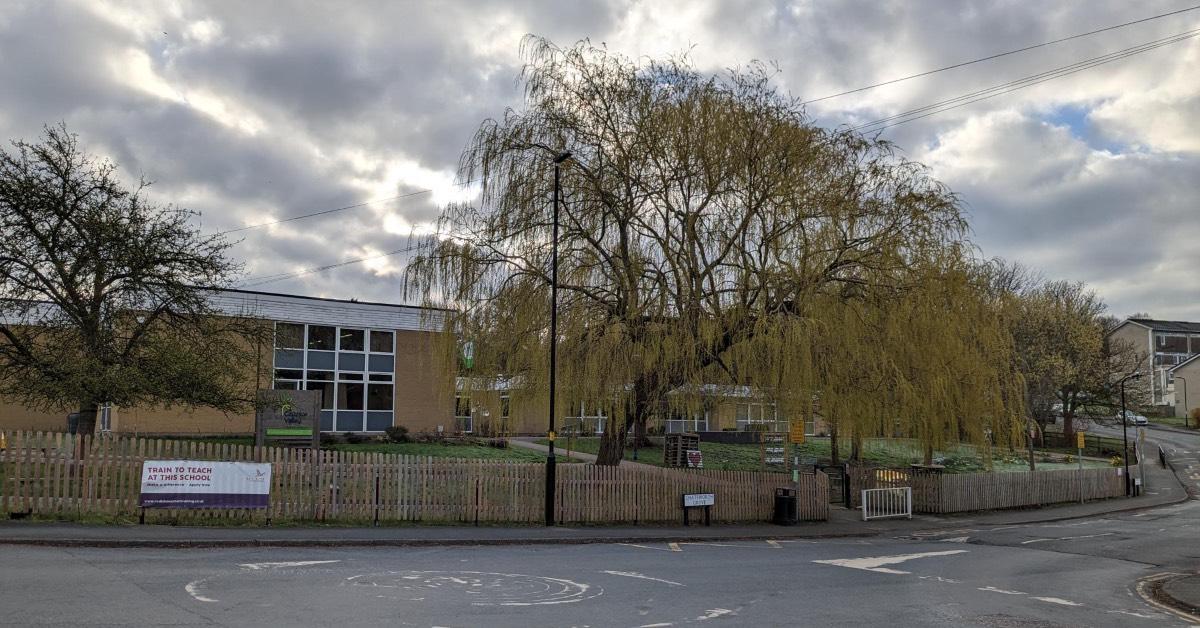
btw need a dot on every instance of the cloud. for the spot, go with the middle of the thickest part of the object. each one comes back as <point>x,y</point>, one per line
<point>251,112</point>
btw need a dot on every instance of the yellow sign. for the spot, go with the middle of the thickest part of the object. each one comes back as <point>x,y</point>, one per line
<point>797,433</point>
<point>1079,440</point>
<point>550,436</point>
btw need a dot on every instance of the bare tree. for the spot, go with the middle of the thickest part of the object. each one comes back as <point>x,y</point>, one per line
<point>103,296</point>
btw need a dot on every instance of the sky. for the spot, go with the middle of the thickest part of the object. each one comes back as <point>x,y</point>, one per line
<point>250,112</point>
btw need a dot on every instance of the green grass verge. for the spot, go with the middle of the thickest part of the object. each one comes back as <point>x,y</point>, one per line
<point>1174,421</point>
<point>444,449</point>
<point>882,452</point>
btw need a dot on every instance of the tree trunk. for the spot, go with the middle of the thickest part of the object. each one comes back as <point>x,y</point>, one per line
<point>927,459</point>
<point>1068,427</point>
<point>835,457</point>
<point>856,444</point>
<point>86,425</point>
<point>612,444</point>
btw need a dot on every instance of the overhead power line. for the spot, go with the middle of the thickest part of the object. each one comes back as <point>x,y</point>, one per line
<point>324,212</point>
<point>998,55</point>
<point>1022,83</point>
<point>258,281</point>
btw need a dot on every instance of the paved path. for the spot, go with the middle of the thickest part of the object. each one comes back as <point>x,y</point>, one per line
<point>560,450</point>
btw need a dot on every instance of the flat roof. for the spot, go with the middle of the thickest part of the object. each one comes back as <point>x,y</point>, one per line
<point>289,308</point>
<point>1177,326</point>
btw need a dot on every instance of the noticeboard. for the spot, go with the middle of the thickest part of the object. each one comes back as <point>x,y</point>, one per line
<point>695,500</point>
<point>288,416</point>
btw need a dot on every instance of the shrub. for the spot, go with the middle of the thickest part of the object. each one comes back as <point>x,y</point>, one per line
<point>397,434</point>
<point>498,443</point>
<point>353,438</point>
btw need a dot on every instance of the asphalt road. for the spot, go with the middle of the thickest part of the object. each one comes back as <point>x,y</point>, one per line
<point>1073,573</point>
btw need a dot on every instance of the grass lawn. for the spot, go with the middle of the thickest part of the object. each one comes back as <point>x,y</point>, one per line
<point>446,449</point>
<point>894,453</point>
<point>1173,421</point>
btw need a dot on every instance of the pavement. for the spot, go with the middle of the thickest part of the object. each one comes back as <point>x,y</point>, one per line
<point>1163,490</point>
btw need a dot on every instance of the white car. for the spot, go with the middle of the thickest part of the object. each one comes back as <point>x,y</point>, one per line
<point>1133,418</point>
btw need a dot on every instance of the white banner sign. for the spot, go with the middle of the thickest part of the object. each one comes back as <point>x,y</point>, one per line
<point>205,484</point>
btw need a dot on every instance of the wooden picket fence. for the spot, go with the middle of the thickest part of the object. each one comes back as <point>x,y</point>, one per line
<point>942,493</point>
<point>59,475</point>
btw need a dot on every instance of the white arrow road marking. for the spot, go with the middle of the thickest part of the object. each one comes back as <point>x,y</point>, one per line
<point>876,563</point>
<point>1058,600</point>
<point>957,539</point>
<point>674,547</point>
<point>642,576</point>
<point>193,589</point>
<point>295,563</point>
<point>714,613</point>
<point>774,544</point>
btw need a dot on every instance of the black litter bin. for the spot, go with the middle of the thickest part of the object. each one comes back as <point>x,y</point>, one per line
<point>785,507</point>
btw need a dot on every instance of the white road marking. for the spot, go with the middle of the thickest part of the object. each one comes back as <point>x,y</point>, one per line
<point>1136,614</point>
<point>941,579</point>
<point>659,549</point>
<point>714,613</point>
<point>708,544</point>
<point>634,574</point>
<point>193,589</point>
<point>957,539</point>
<point>662,625</point>
<point>875,563</point>
<point>1066,538</point>
<point>674,547</point>
<point>1057,600</point>
<point>295,563</point>
<point>1005,592</point>
<point>774,544</point>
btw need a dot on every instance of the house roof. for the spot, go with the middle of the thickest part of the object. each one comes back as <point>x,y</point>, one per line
<point>1175,326</point>
<point>322,311</point>
<point>1187,361</point>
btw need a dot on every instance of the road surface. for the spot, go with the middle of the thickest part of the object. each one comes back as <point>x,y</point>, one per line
<point>1073,573</point>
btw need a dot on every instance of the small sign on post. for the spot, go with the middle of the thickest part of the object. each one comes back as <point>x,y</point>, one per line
<point>290,416</point>
<point>695,459</point>
<point>699,500</point>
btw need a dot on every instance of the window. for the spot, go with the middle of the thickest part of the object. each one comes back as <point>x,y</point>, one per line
<point>326,389</point>
<point>321,337</point>
<point>379,396</point>
<point>289,336</point>
<point>678,423</point>
<point>463,420</point>
<point>351,340</point>
<point>381,341</point>
<point>350,396</point>
<point>334,360</point>
<point>759,416</point>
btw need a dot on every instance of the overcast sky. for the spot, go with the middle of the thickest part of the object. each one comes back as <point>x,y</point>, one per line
<point>254,111</point>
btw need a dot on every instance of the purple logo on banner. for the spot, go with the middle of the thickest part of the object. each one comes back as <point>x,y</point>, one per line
<point>205,484</point>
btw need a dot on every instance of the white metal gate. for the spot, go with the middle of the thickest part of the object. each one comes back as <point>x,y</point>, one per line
<point>884,503</point>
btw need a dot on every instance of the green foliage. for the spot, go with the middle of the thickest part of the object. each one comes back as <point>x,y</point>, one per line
<point>397,434</point>
<point>712,235</point>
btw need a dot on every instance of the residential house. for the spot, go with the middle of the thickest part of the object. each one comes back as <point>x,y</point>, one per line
<point>1163,346</point>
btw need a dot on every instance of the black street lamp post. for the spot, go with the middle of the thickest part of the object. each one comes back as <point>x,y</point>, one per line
<point>558,160</point>
<point>1125,434</point>
<point>1185,404</point>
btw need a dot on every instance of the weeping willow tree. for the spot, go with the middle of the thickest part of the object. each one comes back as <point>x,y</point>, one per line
<point>710,234</point>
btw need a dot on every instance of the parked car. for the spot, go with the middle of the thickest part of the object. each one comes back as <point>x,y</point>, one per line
<point>1133,418</point>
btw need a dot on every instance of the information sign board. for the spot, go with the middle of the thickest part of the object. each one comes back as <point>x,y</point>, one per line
<point>205,484</point>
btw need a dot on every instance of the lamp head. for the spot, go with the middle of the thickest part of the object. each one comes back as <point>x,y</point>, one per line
<point>561,157</point>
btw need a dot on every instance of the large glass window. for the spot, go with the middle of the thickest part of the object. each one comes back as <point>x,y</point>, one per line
<point>333,360</point>
<point>759,416</point>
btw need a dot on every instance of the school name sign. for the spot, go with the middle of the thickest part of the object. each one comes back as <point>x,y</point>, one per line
<point>205,484</point>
